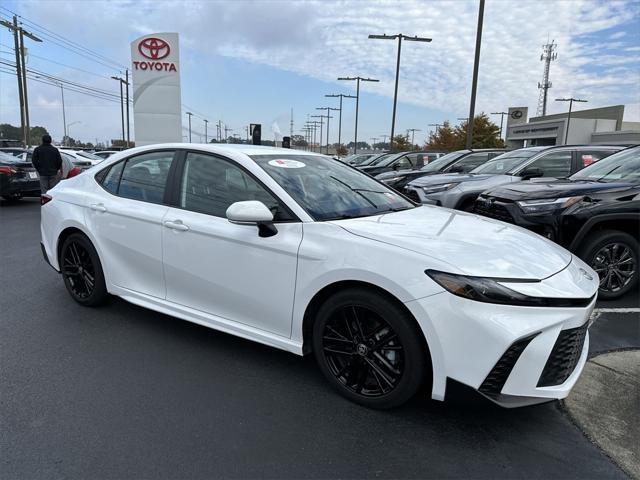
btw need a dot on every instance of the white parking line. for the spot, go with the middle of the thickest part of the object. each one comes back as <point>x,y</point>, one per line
<point>617,310</point>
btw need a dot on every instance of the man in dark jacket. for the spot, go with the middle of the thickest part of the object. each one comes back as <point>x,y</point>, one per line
<point>48,162</point>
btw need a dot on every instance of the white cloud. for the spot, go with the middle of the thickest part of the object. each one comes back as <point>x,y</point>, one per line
<point>326,39</point>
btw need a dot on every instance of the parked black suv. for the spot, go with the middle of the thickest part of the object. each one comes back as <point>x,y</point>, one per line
<point>594,213</point>
<point>460,161</point>
<point>397,161</point>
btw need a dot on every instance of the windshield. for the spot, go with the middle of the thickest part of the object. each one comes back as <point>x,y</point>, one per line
<point>439,163</point>
<point>622,166</point>
<point>90,156</point>
<point>376,160</point>
<point>330,190</point>
<point>503,164</point>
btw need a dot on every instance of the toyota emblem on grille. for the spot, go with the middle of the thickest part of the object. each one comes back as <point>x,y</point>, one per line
<point>154,48</point>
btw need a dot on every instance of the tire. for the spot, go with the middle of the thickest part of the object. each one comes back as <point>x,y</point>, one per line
<point>607,249</point>
<point>361,339</point>
<point>82,271</point>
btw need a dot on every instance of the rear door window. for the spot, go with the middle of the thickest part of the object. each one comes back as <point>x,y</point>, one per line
<point>554,164</point>
<point>144,177</point>
<point>470,162</point>
<point>587,157</point>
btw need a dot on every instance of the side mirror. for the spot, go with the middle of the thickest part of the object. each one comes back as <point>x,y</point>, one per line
<point>531,172</point>
<point>252,212</point>
<point>456,169</point>
<point>396,166</point>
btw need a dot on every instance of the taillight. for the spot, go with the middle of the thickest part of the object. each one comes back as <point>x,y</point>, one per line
<point>44,198</point>
<point>8,170</point>
<point>73,172</point>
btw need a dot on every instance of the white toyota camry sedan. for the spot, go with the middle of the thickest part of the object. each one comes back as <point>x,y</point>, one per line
<point>304,253</point>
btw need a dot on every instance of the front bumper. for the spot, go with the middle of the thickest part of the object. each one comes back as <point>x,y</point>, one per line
<point>447,198</point>
<point>513,355</point>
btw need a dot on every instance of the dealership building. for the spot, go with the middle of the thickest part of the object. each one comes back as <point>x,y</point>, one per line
<point>593,126</point>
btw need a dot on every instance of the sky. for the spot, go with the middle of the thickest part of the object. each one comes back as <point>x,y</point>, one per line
<point>253,61</point>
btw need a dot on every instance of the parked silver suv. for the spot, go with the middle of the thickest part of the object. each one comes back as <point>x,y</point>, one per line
<point>460,191</point>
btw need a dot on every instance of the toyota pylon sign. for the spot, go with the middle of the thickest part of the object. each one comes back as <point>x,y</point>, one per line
<point>155,63</point>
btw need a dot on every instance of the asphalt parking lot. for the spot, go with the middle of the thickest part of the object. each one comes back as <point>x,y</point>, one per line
<point>123,392</point>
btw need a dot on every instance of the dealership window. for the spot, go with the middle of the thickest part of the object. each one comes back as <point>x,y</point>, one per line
<point>554,164</point>
<point>210,185</point>
<point>144,176</point>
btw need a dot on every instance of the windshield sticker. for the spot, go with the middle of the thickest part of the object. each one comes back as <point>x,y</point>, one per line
<point>282,163</point>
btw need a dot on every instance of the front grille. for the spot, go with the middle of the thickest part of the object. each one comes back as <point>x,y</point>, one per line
<point>564,356</point>
<point>412,194</point>
<point>491,209</point>
<point>492,385</point>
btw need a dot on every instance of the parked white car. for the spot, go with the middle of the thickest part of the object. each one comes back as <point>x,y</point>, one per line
<point>297,251</point>
<point>83,156</point>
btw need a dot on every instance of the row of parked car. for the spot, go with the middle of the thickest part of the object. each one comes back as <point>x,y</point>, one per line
<point>568,194</point>
<point>19,179</point>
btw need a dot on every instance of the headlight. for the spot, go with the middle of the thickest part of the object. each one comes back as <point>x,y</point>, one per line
<point>439,188</point>
<point>391,180</point>
<point>488,290</point>
<point>547,205</point>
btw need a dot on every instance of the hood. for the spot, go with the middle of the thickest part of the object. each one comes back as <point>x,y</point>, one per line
<point>473,244</point>
<point>556,189</point>
<point>448,178</point>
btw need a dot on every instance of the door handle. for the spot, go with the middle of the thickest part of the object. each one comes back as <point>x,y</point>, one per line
<point>98,207</point>
<point>176,225</point>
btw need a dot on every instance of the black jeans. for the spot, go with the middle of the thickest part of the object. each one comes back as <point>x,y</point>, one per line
<point>47,182</point>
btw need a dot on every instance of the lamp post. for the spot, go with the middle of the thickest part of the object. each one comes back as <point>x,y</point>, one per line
<point>399,37</point>
<point>69,131</point>
<point>570,100</point>
<point>121,106</point>
<point>502,114</point>
<point>358,80</point>
<point>189,114</point>
<point>474,83</point>
<point>327,116</point>
<point>413,132</point>
<point>341,95</point>
<point>205,131</point>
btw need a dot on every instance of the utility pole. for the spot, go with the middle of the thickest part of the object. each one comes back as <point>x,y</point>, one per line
<point>314,124</point>
<point>384,138</point>
<point>358,80</point>
<point>474,84</point>
<point>64,116</point>
<point>128,123</point>
<point>321,122</point>
<point>291,125</point>
<point>120,80</point>
<point>21,72</point>
<point>189,114</point>
<point>219,130</point>
<point>413,132</point>
<point>328,109</point>
<point>374,140</point>
<point>502,114</point>
<point>437,125</point>
<point>570,100</point>
<point>206,140</point>
<point>548,55</point>
<point>226,133</point>
<point>340,116</point>
<point>399,37</point>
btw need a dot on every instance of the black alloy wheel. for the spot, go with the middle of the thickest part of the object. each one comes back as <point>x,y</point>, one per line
<point>369,348</point>
<point>362,351</point>
<point>81,271</point>
<point>614,257</point>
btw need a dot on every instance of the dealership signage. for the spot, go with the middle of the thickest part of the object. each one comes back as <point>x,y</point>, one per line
<point>156,89</point>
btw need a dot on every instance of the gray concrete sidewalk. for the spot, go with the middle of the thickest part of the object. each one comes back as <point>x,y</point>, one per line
<point>605,403</point>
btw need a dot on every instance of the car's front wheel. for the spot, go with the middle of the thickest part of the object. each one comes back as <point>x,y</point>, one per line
<point>82,271</point>
<point>369,348</point>
<point>614,256</point>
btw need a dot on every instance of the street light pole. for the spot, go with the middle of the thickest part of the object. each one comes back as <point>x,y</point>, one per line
<point>570,100</point>
<point>321,122</point>
<point>400,37</point>
<point>340,116</point>
<point>502,114</point>
<point>205,131</point>
<point>328,109</point>
<point>474,84</point>
<point>121,106</point>
<point>189,115</point>
<point>68,130</point>
<point>413,132</point>
<point>64,115</point>
<point>358,80</point>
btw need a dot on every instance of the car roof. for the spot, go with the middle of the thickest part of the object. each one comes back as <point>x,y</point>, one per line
<point>223,148</point>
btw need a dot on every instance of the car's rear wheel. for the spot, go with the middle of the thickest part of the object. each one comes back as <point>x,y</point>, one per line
<point>369,348</point>
<point>614,256</point>
<point>82,271</point>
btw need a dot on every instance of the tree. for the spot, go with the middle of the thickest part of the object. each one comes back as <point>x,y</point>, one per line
<point>401,144</point>
<point>443,139</point>
<point>342,150</point>
<point>299,141</point>
<point>10,132</point>
<point>361,146</point>
<point>486,134</point>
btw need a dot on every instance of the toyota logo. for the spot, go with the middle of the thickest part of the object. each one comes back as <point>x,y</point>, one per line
<point>154,48</point>
<point>585,274</point>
